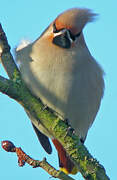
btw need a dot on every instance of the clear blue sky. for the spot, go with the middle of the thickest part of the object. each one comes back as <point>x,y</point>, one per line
<point>27,19</point>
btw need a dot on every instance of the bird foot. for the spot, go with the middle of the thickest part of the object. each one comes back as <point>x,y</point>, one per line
<point>70,130</point>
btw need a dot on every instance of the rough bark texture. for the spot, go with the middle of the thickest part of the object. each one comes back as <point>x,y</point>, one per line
<point>16,89</point>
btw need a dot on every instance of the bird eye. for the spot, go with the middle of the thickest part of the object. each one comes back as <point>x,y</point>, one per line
<point>73,37</point>
<point>77,35</point>
<point>55,29</point>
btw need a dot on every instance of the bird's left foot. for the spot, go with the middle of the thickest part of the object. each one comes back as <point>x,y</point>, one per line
<point>70,130</point>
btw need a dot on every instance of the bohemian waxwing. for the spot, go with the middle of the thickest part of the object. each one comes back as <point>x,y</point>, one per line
<point>59,69</point>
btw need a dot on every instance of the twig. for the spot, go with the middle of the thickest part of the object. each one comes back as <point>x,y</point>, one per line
<point>6,57</point>
<point>24,158</point>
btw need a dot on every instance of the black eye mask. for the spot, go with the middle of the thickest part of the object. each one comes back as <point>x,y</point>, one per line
<point>65,38</point>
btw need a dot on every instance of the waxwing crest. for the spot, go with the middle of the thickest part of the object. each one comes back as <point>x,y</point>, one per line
<point>75,18</point>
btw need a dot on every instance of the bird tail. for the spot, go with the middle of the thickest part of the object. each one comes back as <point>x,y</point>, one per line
<point>65,163</point>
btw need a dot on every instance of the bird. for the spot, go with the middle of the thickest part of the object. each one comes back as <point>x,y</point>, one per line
<point>59,69</point>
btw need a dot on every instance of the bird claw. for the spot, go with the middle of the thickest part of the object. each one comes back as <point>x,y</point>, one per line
<point>66,120</point>
<point>45,107</point>
<point>70,130</point>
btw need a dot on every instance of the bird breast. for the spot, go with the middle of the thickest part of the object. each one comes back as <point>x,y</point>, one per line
<point>70,82</point>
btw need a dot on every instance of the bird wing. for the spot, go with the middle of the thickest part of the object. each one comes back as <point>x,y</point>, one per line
<point>44,140</point>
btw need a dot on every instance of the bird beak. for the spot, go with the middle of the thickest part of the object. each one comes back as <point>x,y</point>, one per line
<point>62,39</point>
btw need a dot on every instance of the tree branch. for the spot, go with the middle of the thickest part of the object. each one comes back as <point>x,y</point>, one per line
<point>88,166</point>
<point>24,158</point>
<point>6,57</point>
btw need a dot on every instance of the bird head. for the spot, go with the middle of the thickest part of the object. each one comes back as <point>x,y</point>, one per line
<point>66,29</point>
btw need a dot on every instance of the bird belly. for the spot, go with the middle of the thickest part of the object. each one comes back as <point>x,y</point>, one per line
<point>73,89</point>
<point>71,95</point>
